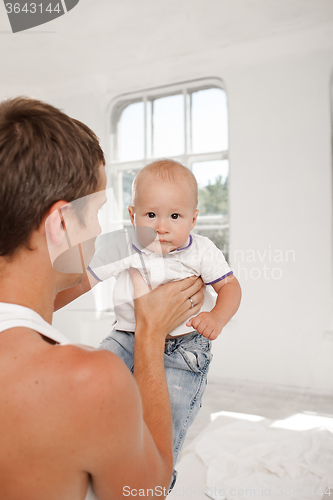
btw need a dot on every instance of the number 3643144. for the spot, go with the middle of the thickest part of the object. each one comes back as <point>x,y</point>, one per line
<point>32,8</point>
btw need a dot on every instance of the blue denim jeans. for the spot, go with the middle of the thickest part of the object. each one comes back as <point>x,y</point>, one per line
<point>186,361</point>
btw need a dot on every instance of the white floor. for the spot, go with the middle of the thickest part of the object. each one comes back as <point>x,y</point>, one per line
<point>227,402</point>
<point>255,399</point>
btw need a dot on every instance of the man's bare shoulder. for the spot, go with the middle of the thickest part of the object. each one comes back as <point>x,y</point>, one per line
<point>77,374</point>
<point>96,372</point>
<point>76,370</point>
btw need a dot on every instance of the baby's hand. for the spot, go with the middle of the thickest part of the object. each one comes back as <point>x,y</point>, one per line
<point>209,324</point>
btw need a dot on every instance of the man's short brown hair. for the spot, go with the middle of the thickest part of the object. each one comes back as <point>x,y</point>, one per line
<point>45,156</point>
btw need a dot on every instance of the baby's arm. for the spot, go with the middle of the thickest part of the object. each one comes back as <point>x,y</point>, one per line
<point>210,324</point>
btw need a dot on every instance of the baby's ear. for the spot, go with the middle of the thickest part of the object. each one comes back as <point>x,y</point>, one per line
<point>131,212</point>
<point>196,213</point>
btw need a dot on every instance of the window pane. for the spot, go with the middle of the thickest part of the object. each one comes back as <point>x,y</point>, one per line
<point>149,129</point>
<point>168,126</point>
<point>213,221</point>
<point>220,237</point>
<point>212,178</point>
<point>127,180</point>
<point>209,121</point>
<point>131,133</point>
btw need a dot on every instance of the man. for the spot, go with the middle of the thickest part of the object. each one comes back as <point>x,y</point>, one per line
<point>74,422</point>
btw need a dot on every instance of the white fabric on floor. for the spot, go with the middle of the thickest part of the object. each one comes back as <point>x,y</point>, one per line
<point>276,463</point>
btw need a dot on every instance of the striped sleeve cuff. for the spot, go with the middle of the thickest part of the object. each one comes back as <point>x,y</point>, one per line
<point>218,279</point>
<point>93,274</point>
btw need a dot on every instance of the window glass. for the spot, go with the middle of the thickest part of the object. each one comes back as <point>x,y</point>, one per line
<point>209,116</point>
<point>149,137</point>
<point>168,123</point>
<point>131,133</point>
<point>212,178</point>
<point>186,122</point>
<point>127,180</point>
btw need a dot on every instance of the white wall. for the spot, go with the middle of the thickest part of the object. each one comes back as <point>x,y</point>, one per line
<point>280,197</point>
<point>281,200</point>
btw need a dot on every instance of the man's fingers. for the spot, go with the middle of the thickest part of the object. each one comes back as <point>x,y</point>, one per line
<point>195,288</point>
<point>196,293</point>
<point>169,302</point>
<point>189,312</point>
<point>198,297</point>
<point>193,282</point>
<point>140,286</point>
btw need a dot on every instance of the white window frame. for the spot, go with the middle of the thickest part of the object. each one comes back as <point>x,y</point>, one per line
<point>116,167</point>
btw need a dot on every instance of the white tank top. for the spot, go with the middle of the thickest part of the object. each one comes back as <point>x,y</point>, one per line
<point>12,316</point>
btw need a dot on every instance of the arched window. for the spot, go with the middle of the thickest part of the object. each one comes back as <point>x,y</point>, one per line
<point>187,122</point>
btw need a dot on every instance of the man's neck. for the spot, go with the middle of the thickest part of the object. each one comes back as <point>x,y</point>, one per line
<point>23,283</point>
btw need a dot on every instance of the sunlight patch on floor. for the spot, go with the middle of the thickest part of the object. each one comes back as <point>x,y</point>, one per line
<point>241,416</point>
<point>304,421</point>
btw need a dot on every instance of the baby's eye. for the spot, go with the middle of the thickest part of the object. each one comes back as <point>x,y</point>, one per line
<point>151,215</point>
<point>175,216</point>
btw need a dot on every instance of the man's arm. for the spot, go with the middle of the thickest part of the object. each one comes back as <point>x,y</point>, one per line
<point>131,441</point>
<point>157,314</point>
<point>108,262</point>
<point>121,454</point>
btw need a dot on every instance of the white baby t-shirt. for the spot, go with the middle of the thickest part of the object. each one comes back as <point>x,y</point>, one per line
<point>199,257</point>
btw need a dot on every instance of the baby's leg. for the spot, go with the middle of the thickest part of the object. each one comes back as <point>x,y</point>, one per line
<point>186,362</point>
<point>122,344</point>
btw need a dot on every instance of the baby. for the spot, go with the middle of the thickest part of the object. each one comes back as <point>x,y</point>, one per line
<point>165,198</point>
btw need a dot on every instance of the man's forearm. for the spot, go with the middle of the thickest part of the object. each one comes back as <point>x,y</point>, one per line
<point>157,314</point>
<point>149,373</point>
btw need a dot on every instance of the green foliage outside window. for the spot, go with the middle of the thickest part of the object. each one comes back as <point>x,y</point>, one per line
<point>213,200</point>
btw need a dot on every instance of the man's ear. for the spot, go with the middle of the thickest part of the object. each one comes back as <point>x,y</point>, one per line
<point>55,226</point>
<point>195,216</point>
<point>131,211</point>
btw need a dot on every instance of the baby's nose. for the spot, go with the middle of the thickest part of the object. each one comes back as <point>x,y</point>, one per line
<point>162,226</point>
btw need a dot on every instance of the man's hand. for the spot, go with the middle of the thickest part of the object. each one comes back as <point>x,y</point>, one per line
<point>167,306</point>
<point>209,324</point>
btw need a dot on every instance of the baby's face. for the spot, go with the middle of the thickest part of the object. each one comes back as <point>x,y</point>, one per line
<point>169,208</point>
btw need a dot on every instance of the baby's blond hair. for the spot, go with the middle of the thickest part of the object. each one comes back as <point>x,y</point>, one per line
<point>169,171</point>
